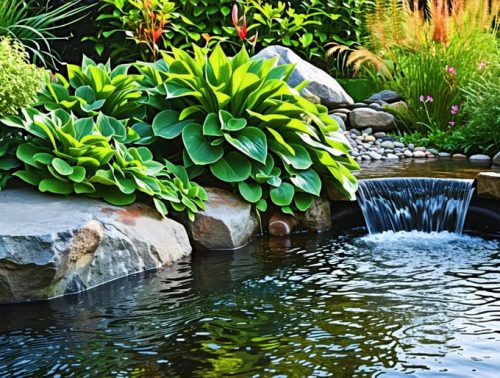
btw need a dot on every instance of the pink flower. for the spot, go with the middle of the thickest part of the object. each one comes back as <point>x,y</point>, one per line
<point>451,70</point>
<point>454,109</point>
<point>451,123</point>
<point>482,65</point>
<point>425,99</point>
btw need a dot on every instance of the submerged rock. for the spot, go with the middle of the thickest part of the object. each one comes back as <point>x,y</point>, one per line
<point>227,223</point>
<point>53,245</point>
<point>320,83</point>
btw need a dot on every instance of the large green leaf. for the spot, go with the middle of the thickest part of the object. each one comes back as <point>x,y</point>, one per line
<point>252,142</point>
<point>166,124</point>
<point>62,167</point>
<point>308,181</point>
<point>55,186</point>
<point>282,195</point>
<point>233,167</point>
<point>250,191</point>
<point>198,146</point>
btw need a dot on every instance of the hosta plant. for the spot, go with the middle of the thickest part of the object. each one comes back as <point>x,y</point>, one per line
<point>91,89</point>
<point>240,122</point>
<point>63,154</point>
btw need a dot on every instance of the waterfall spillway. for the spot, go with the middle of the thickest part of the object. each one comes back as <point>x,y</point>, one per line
<point>423,204</point>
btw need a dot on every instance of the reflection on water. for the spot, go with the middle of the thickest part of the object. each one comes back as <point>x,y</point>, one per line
<point>436,168</point>
<point>402,303</point>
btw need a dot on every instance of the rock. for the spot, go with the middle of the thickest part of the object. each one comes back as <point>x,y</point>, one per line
<point>496,159</point>
<point>318,217</point>
<point>368,131</point>
<point>228,222</point>
<point>342,110</point>
<point>370,138</point>
<point>433,151</point>
<point>419,149</point>
<point>308,95</point>
<point>343,116</point>
<point>459,156</point>
<point>411,146</point>
<point>488,185</point>
<point>374,155</point>
<point>408,153</point>
<point>480,158</point>
<point>399,106</point>
<point>366,117</point>
<point>53,245</point>
<point>385,95</point>
<point>320,83</point>
<point>387,144</point>
<point>339,120</point>
<point>355,132</point>
<point>281,224</point>
<point>376,106</point>
<point>392,157</point>
<point>444,155</point>
<point>379,134</point>
<point>419,154</point>
<point>358,105</point>
<point>398,145</point>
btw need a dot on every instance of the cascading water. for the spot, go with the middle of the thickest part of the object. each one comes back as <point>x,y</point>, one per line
<point>423,204</point>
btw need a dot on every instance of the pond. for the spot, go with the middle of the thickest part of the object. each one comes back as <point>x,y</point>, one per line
<point>329,305</point>
<point>443,168</point>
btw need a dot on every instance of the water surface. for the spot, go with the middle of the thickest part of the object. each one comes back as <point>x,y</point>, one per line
<point>362,306</point>
<point>435,168</point>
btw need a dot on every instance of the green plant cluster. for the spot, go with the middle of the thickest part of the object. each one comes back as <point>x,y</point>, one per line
<point>63,154</point>
<point>240,122</point>
<point>19,80</point>
<point>305,26</point>
<point>117,133</point>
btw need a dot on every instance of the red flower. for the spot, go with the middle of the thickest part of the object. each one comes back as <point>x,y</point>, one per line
<point>242,31</point>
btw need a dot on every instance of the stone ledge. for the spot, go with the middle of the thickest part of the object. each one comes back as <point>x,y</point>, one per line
<point>488,185</point>
<point>53,245</point>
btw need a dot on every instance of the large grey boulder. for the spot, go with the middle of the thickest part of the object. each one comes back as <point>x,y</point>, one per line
<point>53,245</point>
<point>228,222</point>
<point>320,83</point>
<point>362,118</point>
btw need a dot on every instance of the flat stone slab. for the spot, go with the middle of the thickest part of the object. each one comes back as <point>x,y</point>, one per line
<point>53,245</point>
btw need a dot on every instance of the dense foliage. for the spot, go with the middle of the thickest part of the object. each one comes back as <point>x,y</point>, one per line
<point>241,123</point>
<point>131,30</point>
<point>35,25</point>
<point>19,80</point>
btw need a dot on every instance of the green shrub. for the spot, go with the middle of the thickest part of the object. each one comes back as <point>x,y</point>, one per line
<point>63,154</point>
<point>481,133</point>
<point>305,26</point>
<point>240,123</point>
<point>19,80</point>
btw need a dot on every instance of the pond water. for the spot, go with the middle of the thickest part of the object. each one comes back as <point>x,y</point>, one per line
<point>435,168</point>
<point>343,306</point>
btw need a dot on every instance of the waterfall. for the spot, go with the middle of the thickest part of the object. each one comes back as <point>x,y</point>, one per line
<point>423,204</point>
